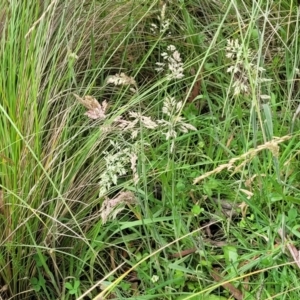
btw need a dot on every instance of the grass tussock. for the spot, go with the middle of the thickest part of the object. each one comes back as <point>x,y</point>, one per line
<point>149,150</point>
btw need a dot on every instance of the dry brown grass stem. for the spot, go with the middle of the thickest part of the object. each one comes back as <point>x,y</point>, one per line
<point>272,145</point>
<point>41,18</point>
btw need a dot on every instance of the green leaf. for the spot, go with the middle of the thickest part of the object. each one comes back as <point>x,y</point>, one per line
<point>180,186</point>
<point>191,286</point>
<point>68,286</point>
<point>40,259</point>
<point>125,286</point>
<point>207,190</point>
<point>292,214</point>
<point>292,199</point>
<point>196,210</point>
<point>34,281</point>
<point>230,254</point>
<point>275,197</point>
<point>42,281</point>
<point>35,284</point>
<point>179,278</point>
<point>76,284</point>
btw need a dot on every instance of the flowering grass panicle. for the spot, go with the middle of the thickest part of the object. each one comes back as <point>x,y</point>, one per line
<point>119,160</point>
<point>133,161</point>
<point>116,165</point>
<point>134,125</point>
<point>146,121</point>
<point>244,68</point>
<point>112,207</point>
<point>121,79</point>
<point>175,122</point>
<point>96,111</point>
<point>171,61</point>
<point>163,22</point>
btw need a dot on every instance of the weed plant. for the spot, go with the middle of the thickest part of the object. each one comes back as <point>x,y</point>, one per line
<point>149,149</point>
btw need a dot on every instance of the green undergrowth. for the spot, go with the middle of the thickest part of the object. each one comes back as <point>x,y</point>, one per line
<point>149,150</point>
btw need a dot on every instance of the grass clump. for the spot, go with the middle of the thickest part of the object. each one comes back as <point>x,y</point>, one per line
<point>149,150</point>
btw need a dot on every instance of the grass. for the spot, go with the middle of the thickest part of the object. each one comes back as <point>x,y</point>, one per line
<point>180,187</point>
